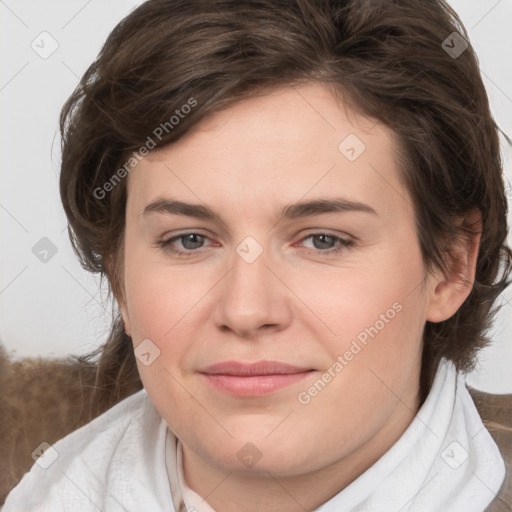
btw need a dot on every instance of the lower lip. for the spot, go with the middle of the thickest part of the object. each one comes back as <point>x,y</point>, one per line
<point>255,385</point>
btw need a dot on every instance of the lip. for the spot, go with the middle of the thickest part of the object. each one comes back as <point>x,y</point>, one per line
<point>253,379</point>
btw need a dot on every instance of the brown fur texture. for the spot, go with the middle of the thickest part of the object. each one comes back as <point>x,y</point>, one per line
<point>41,400</point>
<point>46,399</point>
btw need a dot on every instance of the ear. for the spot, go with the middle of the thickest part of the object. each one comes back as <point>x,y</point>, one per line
<point>450,288</point>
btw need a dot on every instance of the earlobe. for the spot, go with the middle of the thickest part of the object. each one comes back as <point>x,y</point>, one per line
<point>451,287</point>
<point>446,298</point>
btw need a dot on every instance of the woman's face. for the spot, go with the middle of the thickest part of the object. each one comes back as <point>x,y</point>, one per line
<point>298,246</point>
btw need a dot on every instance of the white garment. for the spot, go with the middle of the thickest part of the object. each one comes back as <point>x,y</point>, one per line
<point>128,460</point>
<point>115,463</point>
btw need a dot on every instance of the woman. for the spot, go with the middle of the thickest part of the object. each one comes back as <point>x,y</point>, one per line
<point>300,211</point>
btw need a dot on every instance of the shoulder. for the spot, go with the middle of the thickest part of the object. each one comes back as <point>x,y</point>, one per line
<point>80,462</point>
<point>496,414</point>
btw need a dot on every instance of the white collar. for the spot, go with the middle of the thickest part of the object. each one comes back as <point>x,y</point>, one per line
<point>445,460</point>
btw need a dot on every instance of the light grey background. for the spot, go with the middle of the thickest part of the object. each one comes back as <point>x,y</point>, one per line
<point>56,308</point>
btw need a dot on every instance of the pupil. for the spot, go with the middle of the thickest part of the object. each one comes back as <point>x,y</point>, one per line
<point>323,244</point>
<point>190,238</point>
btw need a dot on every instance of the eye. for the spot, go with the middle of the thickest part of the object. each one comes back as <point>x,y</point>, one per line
<point>191,243</point>
<point>326,243</point>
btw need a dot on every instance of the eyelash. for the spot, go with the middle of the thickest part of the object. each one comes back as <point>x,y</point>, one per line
<point>343,244</point>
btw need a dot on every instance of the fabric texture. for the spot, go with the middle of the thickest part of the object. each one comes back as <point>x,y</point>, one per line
<point>496,413</point>
<point>128,459</point>
<point>115,463</point>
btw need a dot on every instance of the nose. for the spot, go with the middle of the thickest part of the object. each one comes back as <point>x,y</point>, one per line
<point>253,299</point>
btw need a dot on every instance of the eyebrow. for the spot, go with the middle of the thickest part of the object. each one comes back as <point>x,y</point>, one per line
<point>291,211</point>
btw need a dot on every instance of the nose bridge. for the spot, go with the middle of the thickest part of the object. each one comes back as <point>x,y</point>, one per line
<point>251,296</point>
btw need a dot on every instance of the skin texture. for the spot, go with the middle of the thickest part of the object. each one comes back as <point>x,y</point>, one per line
<point>292,304</point>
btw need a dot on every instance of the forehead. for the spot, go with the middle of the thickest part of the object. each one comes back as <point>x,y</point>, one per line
<point>274,149</point>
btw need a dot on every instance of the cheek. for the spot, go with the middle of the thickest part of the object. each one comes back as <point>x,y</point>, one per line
<point>160,297</point>
<point>381,302</point>
<point>375,328</point>
<point>380,322</point>
<point>378,319</point>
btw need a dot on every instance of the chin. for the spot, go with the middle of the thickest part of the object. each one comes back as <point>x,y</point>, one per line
<point>257,453</point>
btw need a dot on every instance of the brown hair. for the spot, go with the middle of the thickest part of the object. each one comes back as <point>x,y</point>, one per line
<point>385,59</point>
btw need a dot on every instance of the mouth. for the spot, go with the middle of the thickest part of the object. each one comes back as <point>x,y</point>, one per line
<point>253,379</point>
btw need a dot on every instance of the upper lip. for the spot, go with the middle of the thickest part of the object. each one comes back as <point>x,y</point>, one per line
<point>252,369</point>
